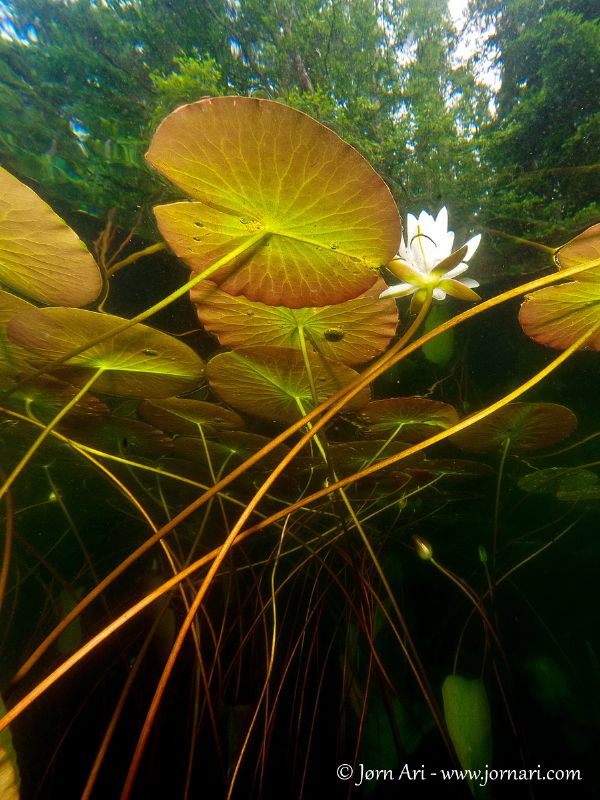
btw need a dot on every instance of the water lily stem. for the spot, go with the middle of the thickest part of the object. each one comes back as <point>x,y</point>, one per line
<point>505,449</point>
<point>47,430</point>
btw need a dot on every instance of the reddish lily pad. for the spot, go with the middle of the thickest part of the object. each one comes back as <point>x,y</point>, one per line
<point>40,256</point>
<point>412,418</point>
<point>184,415</point>
<point>529,426</point>
<point>583,249</point>
<point>314,219</point>
<point>352,332</point>
<point>272,382</point>
<point>139,361</point>
<point>558,315</point>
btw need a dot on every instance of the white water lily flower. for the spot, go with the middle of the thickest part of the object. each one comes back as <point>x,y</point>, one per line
<point>427,264</point>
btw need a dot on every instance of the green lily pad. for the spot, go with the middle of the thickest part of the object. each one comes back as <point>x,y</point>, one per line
<point>467,714</point>
<point>272,383</point>
<point>40,256</point>
<point>182,415</point>
<point>557,479</point>
<point>351,332</point>
<point>529,426</point>
<point>453,469</point>
<point>139,362</point>
<point>558,315</point>
<point>586,495</point>
<point>412,418</point>
<point>255,167</point>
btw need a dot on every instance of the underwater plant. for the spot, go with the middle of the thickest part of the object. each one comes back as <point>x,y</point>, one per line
<point>245,577</point>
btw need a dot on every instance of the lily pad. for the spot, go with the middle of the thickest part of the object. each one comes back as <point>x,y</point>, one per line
<point>120,435</point>
<point>453,469</point>
<point>272,383</point>
<point>182,415</point>
<point>350,457</point>
<point>40,256</point>
<point>412,418</point>
<point>586,495</point>
<point>233,448</point>
<point>557,479</point>
<point>315,219</point>
<point>351,332</point>
<point>13,359</point>
<point>582,249</point>
<point>45,396</point>
<point>529,426</point>
<point>558,315</point>
<point>139,361</point>
<point>467,715</point>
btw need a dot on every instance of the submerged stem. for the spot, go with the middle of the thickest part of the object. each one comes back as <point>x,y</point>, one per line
<point>47,430</point>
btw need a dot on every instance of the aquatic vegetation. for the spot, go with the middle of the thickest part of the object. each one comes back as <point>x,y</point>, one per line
<point>427,263</point>
<point>283,498</point>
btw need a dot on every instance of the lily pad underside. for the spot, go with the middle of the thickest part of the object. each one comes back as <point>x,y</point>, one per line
<point>138,362</point>
<point>558,315</point>
<point>315,219</point>
<point>272,382</point>
<point>411,418</point>
<point>185,415</point>
<point>351,332</point>
<point>528,426</point>
<point>40,256</point>
<point>582,249</point>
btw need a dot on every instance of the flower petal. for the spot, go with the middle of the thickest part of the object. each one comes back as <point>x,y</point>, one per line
<point>399,290</point>
<point>469,282</point>
<point>439,294</point>
<point>472,245</point>
<point>458,270</point>
<point>406,272</point>
<point>459,290</point>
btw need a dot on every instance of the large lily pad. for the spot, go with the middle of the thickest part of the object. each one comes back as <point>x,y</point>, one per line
<point>327,220</point>
<point>184,415</point>
<point>583,249</point>
<point>412,418</point>
<point>352,332</point>
<point>272,382</point>
<point>13,358</point>
<point>140,361</point>
<point>40,256</point>
<point>529,426</point>
<point>558,315</point>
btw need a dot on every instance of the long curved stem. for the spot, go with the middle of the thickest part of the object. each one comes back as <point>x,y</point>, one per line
<point>47,431</point>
